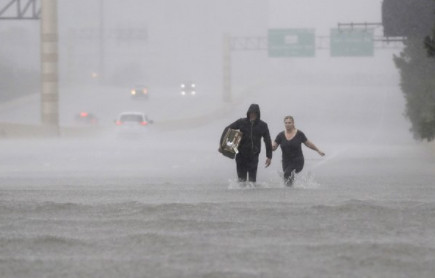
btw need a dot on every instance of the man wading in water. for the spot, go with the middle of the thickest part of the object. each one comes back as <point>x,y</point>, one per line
<point>253,130</point>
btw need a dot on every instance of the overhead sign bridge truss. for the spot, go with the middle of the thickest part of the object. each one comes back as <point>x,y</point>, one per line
<point>20,10</point>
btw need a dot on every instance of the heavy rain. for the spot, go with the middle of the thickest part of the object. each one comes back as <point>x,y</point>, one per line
<point>85,193</point>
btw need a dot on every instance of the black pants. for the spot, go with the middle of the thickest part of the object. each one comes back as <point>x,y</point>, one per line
<point>290,168</point>
<point>247,165</point>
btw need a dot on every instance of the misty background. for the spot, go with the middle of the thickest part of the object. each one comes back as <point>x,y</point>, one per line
<point>108,46</point>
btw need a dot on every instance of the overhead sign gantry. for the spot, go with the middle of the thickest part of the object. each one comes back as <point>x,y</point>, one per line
<point>46,10</point>
<point>21,10</point>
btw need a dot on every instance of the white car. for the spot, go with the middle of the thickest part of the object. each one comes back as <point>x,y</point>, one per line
<point>134,123</point>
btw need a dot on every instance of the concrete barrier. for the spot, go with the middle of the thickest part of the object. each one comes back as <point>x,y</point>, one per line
<point>16,130</point>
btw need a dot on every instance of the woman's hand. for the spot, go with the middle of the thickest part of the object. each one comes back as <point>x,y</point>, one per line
<point>274,146</point>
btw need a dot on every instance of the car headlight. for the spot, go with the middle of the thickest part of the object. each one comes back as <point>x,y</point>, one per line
<point>133,92</point>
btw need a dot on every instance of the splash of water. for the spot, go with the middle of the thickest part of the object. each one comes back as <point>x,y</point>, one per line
<point>234,184</point>
<point>303,180</point>
<point>306,181</point>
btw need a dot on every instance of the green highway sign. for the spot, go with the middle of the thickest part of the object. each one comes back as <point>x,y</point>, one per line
<point>291,43</point>
<point>351,42</point>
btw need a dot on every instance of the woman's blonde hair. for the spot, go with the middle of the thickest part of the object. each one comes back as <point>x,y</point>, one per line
<point>289,118</point>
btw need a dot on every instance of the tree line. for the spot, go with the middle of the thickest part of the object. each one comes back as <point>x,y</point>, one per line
<point>416,64</point>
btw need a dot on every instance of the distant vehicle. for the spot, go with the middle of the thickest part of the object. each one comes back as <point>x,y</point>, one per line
<point>86,118</point>
<point>132,123</point>
<point>139,91</point>
<point>188,88</point>
<point>133,118</point>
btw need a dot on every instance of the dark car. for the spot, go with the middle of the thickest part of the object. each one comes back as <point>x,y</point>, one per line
<point>139,91</point>
<point>86,118</point>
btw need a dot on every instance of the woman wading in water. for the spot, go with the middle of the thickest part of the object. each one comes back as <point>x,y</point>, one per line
<point>290,140</point>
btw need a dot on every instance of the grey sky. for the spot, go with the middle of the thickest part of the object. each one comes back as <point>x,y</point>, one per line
<point>322,14</point>
<point>184,36</point>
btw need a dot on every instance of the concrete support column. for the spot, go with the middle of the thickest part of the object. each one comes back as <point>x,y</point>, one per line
<point>226,69</point>
<point>101,73</point>
<point>49,65</point>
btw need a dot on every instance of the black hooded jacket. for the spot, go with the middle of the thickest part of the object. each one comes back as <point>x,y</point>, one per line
<point>252,133</point>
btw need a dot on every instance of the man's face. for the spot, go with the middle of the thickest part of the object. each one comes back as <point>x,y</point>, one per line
<point>252,116</point>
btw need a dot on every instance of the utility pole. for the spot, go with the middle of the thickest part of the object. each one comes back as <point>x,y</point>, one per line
<point>49,66</point>
<point>226,69</point>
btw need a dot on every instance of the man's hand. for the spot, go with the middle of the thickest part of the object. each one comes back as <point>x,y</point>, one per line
<point>268,161</point>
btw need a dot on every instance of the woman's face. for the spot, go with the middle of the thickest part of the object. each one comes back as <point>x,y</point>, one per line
<point>288,124</point>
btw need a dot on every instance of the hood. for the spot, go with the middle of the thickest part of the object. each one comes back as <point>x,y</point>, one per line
<point>254,108</point>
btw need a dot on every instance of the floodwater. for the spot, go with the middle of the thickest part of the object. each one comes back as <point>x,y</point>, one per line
<point>167,205</point>
<point>118,208</point>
